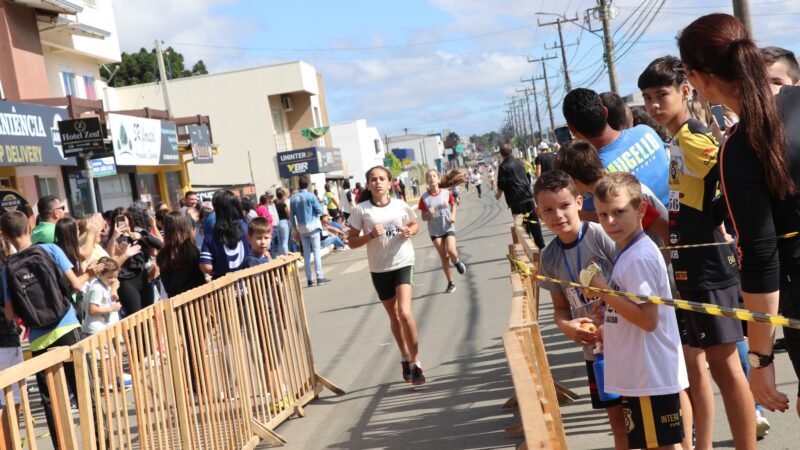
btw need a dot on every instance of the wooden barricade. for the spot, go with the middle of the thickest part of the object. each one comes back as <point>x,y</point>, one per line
<point>218,367</point>
<point>536,393</point>
<point>52,364</point>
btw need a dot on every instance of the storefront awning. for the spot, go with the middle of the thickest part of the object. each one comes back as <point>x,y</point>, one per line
<point>53,6</point>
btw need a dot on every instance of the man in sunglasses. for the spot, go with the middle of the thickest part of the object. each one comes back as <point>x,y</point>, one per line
<point>50,210</point>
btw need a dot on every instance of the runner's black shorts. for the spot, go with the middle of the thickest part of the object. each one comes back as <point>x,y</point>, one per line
<point>596,402</point>
<point>386,282</point>
<point>653,421</point>
<point>449,233</point>
<point>706,330</point>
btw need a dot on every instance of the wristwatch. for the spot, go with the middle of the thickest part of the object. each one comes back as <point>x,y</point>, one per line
<point>759,361</point>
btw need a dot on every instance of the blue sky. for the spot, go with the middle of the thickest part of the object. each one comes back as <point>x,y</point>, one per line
<point>427,65</point>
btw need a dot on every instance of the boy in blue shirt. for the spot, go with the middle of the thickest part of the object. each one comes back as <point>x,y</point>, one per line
<point>17,232</point>
<point>259,234</point>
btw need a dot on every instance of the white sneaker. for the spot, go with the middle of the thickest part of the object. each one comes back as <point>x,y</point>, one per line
<point>762,425</point>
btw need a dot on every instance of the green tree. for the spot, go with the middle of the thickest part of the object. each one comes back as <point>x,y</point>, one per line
<point>395,166</point>
<point>142,67</point>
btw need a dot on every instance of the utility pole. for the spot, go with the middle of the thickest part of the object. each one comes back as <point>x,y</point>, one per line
<point>162,72</point>
<point>510,122</point>
<point>546,88</point>
<point>741,9</point>
<point>522,120</point>
<point>557,23</point>
<point>530,120</point>
<point>608,41</point>
<point>536,105</point>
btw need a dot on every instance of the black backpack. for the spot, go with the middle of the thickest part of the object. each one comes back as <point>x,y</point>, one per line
<point>39,290</point>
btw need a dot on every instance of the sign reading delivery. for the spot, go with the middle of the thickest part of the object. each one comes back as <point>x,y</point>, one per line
<point>29,135</point>
<point>143,142</point>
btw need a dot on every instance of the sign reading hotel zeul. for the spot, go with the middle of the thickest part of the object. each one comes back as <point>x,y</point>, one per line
<point>29,135</point>
<point>143,142</point>
<point>80,135</point>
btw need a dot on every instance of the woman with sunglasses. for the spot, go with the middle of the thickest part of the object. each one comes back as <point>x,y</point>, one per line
<point>759,171</point>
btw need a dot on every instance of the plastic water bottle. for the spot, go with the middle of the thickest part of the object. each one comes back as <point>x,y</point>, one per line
<point>599,375</point>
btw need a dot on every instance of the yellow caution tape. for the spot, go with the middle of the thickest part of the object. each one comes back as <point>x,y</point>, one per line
<point>714,244</point>
<point>705,308</point>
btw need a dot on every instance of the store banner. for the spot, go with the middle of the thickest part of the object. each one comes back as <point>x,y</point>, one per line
<point>29,135</point>
<point>298,162</point>
<point>200,139</point>
<point>329,159</point>
<point>103,167</point>
<point>80,135</point>
<point>139,141</point>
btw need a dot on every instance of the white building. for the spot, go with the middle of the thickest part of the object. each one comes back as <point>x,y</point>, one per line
<point>427,148</point>
<point>51,49</point>
<point>254,113</point>
<point>362,148</point>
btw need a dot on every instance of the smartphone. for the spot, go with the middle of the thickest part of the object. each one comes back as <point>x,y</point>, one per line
<point>719,115</point>
<point>120,219</point>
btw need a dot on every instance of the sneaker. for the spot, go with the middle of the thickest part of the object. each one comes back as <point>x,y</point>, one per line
<point>451,287</point>
<point>406,371</point>
<point>321,281</point>
<point>762,425</point>
<point>310,283</point>
<point>460,267</point>
<point>417,378</point>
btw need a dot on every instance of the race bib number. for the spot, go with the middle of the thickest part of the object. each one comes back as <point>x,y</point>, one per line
<point>674,201</point>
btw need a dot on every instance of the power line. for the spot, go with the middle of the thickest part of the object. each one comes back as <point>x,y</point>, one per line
<point>375,47</point>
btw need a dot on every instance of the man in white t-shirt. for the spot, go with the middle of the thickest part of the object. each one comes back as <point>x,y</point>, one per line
<point>643,355</point>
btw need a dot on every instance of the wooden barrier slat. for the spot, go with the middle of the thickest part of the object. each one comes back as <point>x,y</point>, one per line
<point>533,420</point>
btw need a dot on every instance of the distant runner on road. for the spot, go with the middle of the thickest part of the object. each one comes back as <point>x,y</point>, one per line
<point>438,208</point>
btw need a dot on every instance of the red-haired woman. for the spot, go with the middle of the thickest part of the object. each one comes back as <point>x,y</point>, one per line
<point>759,170</point>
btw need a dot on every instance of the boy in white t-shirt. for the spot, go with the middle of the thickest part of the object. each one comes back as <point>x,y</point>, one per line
<point>643,356</point>
<point>577,245</point>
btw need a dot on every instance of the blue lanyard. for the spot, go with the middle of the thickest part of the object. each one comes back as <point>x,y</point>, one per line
<point>627,246</point>
<point>579,266</point>
<point>578,250</point>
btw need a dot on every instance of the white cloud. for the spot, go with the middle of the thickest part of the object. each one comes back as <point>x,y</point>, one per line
<point>141,22</point>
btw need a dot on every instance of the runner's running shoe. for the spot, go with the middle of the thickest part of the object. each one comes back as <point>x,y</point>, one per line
<point>406,371</point>
<point>451,287</point>
<point>417,378</point>
<point>460,267</point>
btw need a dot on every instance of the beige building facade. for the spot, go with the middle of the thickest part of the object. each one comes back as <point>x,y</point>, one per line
<point>255,113</point>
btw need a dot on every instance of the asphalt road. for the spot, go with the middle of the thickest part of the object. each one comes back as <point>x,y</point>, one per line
<point>461,353</point>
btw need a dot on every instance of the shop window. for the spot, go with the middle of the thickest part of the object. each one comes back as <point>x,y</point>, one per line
<point>6,182</point>
<point>80,196</point>
<point>174,186</point>
<point>48,186</point>
<point>88,87</point>
<point>114,191</point>
<point>147,185</point>
<point>68,80</point>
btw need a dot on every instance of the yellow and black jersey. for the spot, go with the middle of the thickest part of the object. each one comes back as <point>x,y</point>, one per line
<point>693,181</point>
